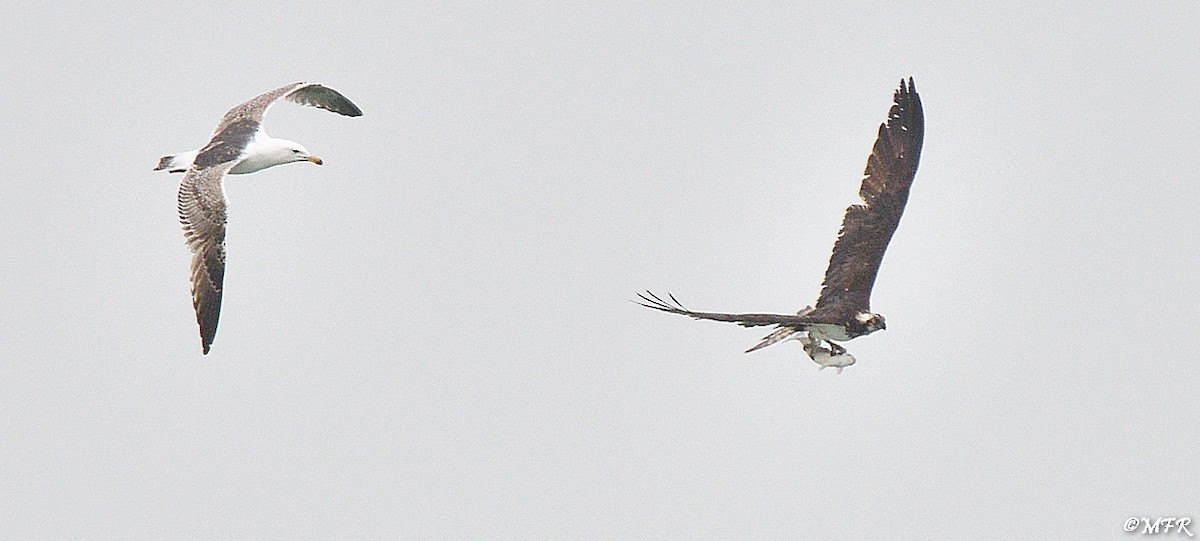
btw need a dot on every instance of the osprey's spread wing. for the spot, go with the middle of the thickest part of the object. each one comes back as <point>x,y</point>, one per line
<point>843,309</point>
<point>650,300</point>
<point>202,212</point>
<point>868,227</point>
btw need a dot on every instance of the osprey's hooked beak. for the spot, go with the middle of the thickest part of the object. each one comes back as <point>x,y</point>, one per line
<point>314,159</point>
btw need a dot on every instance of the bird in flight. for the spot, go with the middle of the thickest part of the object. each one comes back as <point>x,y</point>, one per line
<point>843,310</point>
<point>238,145</point>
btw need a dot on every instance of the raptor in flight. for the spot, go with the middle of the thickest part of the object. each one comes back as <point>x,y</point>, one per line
<point>843,311</point>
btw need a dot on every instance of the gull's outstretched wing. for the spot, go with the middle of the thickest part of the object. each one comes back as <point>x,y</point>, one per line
<point>867,228</point>
<point>314,94</point>
<point>202,212</point>
<point>242,123</point>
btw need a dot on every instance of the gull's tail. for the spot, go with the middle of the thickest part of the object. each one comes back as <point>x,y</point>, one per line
<point>176,163</point>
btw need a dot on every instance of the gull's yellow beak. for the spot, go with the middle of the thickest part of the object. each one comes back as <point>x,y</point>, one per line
<point>314,159</point>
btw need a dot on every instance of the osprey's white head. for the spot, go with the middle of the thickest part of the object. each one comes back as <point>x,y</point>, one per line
<point>871,321</point>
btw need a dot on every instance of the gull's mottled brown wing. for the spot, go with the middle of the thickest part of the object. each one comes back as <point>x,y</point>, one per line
<point>202,212</point>
<point>867,228</point>
<point>255,109</point>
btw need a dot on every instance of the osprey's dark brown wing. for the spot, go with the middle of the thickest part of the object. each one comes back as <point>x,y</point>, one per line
<point>650,300</point>
<point>867,228</point>
<point>202,212</point>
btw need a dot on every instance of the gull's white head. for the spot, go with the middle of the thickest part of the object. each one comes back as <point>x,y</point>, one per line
<point>266,152</point>
<point>295,152</point>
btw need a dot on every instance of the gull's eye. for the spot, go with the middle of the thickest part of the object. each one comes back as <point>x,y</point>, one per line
<point>294,151</point>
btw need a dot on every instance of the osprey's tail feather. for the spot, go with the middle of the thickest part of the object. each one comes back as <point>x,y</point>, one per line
<point>780,334</point>
<point>783,332</point>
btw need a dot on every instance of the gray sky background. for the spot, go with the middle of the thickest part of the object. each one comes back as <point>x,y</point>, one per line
<point>430,337</point>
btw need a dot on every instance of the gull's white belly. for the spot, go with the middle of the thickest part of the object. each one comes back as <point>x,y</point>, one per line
<point>256,156</point>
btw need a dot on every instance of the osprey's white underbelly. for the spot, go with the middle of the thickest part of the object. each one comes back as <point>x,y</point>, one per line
<point>828,331</point>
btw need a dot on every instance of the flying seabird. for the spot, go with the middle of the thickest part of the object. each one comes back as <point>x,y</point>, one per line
<point>238,145</point>
<point>843,310</point>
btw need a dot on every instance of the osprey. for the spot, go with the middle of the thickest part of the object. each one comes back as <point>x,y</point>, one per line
<point>843,311</point>
<point>238,145</point>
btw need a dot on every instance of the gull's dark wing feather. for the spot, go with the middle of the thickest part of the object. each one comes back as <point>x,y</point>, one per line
<point>202,212</point>
<point>324,97</point>
<point>867,228</point>
<point>650,300</point>
<point>255,109</point>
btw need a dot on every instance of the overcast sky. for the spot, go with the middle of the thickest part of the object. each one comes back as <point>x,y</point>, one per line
<point>430,336</point>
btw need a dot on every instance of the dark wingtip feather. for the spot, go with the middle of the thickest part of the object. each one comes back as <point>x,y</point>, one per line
<point>650,300</point>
